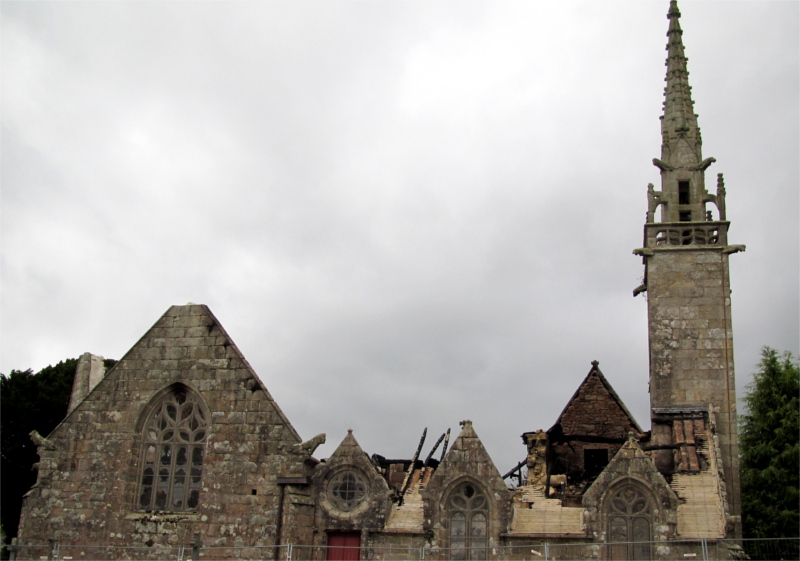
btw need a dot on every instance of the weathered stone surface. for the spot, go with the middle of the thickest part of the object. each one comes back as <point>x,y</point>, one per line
<point>89,482</point>
<point>466,461</point>
<point>691,344</point>
<point>261,490</point>
<point>88,373</point>
<point>631,466</point>
<point>371,503</point>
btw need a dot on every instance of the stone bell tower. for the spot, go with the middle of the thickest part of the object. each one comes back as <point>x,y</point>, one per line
<point>687,284</point>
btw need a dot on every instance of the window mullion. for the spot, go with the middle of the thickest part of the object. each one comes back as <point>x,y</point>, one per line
<point>173,459</point>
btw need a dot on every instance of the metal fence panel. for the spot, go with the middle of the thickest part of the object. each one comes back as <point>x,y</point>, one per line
<point>677,550</point>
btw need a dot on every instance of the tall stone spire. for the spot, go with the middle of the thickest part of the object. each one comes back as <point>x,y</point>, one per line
<point>687,280</point>
<point>679,120</point>
<point>683,195</point>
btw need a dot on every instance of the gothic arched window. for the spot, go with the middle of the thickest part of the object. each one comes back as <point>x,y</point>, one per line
<point>468,512</point>
<point>173,446</point>
<point>629,516</point>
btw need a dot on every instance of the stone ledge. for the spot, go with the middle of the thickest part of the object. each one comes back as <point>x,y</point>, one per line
<point>163,516</point>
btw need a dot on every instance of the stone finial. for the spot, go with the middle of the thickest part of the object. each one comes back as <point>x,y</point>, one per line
<point>654,200</point>
<point>721,197</point>
<point>595,363</point>
<point>465,423</point>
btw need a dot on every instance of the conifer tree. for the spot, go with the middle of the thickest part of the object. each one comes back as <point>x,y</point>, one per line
<point>770,449</point>
<point>28,402</point>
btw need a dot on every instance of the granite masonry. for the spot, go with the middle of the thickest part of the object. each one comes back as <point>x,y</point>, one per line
<point>179,450</point>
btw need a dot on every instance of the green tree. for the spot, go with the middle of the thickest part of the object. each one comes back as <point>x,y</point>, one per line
<point>769,444</point>
<point>28,402</point>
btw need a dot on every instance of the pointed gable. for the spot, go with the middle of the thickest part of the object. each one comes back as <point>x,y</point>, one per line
<point>349,488</point>
<point>349,451</point>
<point>467,457</point>
<point>102,454</point>
<point>595,410</point>
<point>467,460</point>
<point>631,465</point>
<point>186,345</point>
<point>630,462</point>
<point>189,345</point>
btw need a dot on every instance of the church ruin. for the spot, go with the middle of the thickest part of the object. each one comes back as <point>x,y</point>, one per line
<point>181,443</point>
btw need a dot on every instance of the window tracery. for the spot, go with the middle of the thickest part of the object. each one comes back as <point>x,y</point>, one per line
<point>173,448</point>
<point>630,520</point>
<point>347,489</point>
<point>468,516</point>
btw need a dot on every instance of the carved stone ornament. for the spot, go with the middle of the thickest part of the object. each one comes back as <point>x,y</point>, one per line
<point>346,490</point>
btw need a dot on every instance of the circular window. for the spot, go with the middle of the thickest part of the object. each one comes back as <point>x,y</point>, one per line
<point>347,489</point>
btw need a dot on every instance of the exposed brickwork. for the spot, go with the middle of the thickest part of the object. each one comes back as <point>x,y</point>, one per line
<point>587,434</point>
<point>596,411</point>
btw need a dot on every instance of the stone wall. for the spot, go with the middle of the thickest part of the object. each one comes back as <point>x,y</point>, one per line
<point>369,508</point>
<point>467,460</point>
<point>90,473</point>
<point>595,412</point>
<point>691,344</point>
<point>631,466</point>
<point>594,422</point>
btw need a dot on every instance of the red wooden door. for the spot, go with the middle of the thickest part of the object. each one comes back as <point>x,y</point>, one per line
<point>344,546</point>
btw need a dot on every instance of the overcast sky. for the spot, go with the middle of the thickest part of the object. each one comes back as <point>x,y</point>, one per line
<point>405,214</point>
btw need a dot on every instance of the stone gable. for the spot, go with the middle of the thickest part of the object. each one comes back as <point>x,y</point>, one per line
<point>466,461</point>
<point>595,410</point>
<point>90,470</point>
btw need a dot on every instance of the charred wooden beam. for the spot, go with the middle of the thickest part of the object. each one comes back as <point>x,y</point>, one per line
<point>516,468</point>
<point>670,446</point>
<point>667,420</point>
<point>410,472</point>
<point>444,450</point>
<point>567,438</point>
<point>435,446</point>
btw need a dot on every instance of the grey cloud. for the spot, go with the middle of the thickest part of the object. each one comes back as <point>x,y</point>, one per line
<point>405,214</point>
